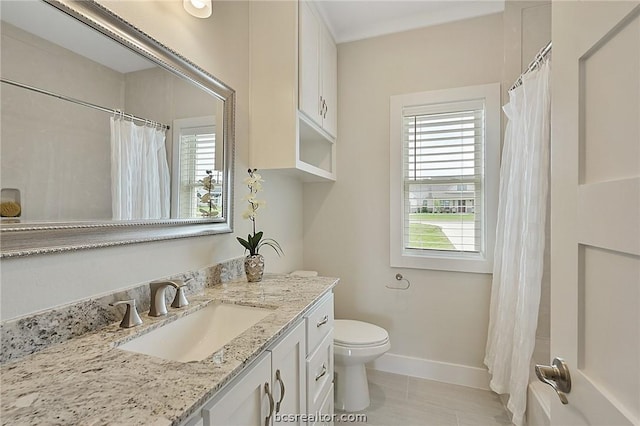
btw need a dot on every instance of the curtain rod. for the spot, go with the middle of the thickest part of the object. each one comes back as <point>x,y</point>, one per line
<point>83,103</point>
<point>533,65</point>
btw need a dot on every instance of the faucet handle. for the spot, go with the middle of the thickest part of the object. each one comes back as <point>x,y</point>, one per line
<point>131,317</point>
<point>180,300</point>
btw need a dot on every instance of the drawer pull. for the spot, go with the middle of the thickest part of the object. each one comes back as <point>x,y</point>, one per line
<point>322,373</point>
<point>267,419</point>
<point>279,379</point>
<point>323,321</point>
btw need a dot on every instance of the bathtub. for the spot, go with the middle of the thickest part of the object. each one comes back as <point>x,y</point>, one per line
<point>538,404</point>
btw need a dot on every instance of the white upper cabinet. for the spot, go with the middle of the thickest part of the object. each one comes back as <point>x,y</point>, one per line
<point>330,84</point>
<point>309,72</point>
<point>293,96</point>
<point>317,70</point>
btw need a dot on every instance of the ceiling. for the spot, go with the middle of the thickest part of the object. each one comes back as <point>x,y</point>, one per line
<point>56,27</point>
<point>350,20</point>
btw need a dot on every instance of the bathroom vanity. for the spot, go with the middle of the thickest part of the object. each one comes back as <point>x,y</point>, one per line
<point>293,376</point>
<point>281,366</point>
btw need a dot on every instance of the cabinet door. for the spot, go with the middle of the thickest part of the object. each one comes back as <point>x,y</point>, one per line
<point>329,90</point>
<point>288,375</point>
<point>245,402</point>
<point>325,413</point>
<point>309,63</point>
<point>320,374</point>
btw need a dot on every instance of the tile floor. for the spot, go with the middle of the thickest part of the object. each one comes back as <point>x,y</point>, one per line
<point>402,400</point>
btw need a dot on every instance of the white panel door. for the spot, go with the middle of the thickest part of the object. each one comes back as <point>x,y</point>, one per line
<point>595,210</point>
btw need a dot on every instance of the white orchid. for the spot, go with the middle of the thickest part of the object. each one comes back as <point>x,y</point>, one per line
<point>254,242</point>
<point>254,182</point>
<point>249,214</point>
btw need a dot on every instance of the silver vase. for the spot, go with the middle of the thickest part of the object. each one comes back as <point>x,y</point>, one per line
<point>254,267</point>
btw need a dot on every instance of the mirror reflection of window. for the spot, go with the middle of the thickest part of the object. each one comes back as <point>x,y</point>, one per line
<point>199,164</point>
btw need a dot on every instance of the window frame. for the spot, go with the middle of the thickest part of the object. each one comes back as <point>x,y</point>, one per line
<point>481,262</point>
<point>180,126</point>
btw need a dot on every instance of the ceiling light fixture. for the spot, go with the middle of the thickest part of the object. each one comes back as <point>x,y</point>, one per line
<point>198,8</point>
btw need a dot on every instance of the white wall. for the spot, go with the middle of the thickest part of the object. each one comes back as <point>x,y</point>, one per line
<point>219,45</point>
<point>36,128</point>
<point>444,316</point>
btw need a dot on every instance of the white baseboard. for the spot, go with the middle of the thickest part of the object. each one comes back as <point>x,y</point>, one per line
<point>456,374</point>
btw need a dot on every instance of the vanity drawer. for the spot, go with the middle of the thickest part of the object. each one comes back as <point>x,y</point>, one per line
<point>320,373</point>
<point>319,323</point>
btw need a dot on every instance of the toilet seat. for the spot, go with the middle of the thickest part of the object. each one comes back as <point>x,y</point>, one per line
<point>355,343</point>
<point>350,333</point>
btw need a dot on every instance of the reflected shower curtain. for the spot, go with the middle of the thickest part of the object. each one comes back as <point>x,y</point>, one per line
<point>520,239</point>
<point>139,172</point>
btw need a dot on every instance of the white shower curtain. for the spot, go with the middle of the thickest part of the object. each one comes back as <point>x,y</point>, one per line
<point>520,239</point>
<point>139,171</point>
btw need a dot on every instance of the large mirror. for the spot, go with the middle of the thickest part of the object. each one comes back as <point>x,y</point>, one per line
<point>107,136</point>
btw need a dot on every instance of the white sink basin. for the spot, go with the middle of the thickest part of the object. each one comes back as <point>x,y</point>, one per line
<point>195,336</point>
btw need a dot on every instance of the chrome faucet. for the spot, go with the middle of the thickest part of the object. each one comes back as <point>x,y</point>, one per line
<point>158,306</point>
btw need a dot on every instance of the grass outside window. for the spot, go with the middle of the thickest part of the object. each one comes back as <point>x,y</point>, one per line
<point>443,217</point>
<point>431,236</point>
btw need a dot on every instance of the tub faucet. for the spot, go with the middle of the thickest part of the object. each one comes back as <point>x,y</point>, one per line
<point>158,306</point>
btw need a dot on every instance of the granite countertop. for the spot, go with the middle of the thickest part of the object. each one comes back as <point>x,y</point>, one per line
<point>88,381</point>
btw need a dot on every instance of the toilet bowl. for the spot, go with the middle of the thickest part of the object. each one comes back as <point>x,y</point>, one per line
<point>354,344</point>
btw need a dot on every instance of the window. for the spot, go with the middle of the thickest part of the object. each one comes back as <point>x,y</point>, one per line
<point>199,162</point>
<point>444,178</point>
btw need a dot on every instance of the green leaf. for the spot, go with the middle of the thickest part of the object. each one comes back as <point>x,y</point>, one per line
<point>257,237</point>
<point>273,244</point>
<point>244,243</point>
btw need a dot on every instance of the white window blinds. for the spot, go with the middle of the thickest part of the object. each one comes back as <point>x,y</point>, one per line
<point>443,176</point>
<point>197,156</point>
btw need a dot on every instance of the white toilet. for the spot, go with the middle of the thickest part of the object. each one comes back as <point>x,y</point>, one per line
<point>354,344</point>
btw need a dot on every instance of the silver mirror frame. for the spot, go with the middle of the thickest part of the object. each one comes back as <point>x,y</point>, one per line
<point>28,239</point>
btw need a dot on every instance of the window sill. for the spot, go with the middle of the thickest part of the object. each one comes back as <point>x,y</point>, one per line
<point>458,262</point>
